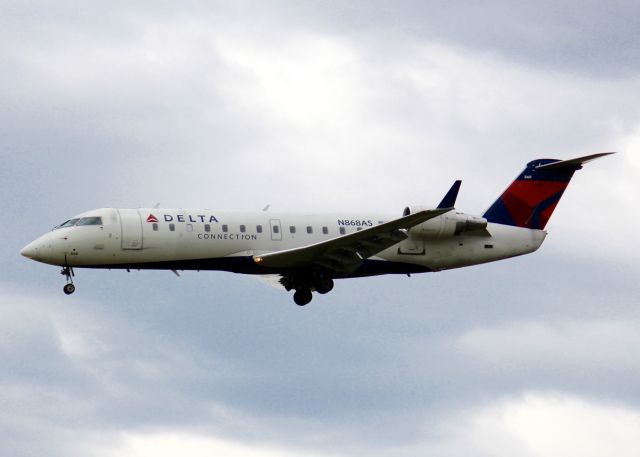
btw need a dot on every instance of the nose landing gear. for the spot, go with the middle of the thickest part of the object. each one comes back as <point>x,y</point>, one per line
<point>69,288</point>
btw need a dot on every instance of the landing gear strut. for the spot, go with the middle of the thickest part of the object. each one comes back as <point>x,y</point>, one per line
<point>68,288</point>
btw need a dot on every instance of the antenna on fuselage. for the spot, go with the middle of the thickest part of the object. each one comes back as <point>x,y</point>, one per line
<point>266,208</point>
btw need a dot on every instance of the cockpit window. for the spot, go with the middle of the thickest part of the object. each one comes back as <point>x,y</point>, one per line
<point>80,221</point>
<point>90,221</point>
<point>69,223</point>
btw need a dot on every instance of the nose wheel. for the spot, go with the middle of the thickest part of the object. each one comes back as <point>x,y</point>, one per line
<point>68,288</point>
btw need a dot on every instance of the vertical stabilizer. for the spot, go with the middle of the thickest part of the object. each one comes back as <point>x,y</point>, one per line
<point>531,199</point>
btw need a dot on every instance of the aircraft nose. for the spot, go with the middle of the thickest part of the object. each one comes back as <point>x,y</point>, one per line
<point>30,251</point>
<point>41,250</point>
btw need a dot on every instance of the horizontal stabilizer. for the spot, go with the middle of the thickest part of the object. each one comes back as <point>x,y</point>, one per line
<point>573,163</point>
<point>449,200</point>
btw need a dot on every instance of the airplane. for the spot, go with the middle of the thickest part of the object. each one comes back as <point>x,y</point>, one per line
<point>308,252</point>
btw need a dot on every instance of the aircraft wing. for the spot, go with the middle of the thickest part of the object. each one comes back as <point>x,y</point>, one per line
<point>345,254</point>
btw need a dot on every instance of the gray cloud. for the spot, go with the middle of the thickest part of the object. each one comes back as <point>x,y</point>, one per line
<point>590,38</point>
<point>355,107</point>
<point>235,360</point>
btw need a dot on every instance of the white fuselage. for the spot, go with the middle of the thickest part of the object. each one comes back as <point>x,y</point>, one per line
<point>180,239</point>
<point>308,252</point>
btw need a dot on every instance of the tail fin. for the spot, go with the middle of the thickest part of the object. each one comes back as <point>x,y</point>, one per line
<point>530,200</point>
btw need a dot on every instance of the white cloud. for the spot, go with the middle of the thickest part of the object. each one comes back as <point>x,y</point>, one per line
<point>536,424</point>
<point>235,108</point>
<point>542,424</point>
<point>170,443</point>
<point>366,124</point>
<point>628,141</point>
<point>597,343</point>
<point>307,81</point>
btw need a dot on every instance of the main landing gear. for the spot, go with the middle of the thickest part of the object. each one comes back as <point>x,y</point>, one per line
<point>324,285</point>
<point>303,295</point>
<point>68,288</point>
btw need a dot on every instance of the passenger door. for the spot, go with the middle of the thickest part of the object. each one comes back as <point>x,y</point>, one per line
<point>131,225</point>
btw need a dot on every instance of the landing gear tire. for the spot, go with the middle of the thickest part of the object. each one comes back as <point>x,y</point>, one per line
<point>324,285</point>
<point>302,296</point>
<point>67,271</point>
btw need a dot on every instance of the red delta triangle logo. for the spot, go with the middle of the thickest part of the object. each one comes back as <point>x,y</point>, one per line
<point>152,218</point>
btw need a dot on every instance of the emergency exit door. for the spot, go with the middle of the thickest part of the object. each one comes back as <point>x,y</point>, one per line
<point>276,229</point>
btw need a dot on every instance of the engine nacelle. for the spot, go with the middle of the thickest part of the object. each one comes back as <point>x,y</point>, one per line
<point>448,224</point>
<point>413,209</point>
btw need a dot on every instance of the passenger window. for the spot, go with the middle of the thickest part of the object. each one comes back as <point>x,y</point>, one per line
<point>309,229</point>
<point>155,227</point>
<point>207,227</point>
<point>243,228</point>
<point>343,230</point>
<point>225,228</point>
<point>325,230</point>
<point>292,229</point>
<point>189,227</point>
<point>276,229</point>
<point>259,228</point>
<point>172,227</point>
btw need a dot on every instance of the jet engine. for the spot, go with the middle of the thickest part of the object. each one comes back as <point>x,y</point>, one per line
<point>449,224</point>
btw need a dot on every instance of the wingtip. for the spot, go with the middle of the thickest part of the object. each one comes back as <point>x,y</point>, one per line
<point>449,200</point>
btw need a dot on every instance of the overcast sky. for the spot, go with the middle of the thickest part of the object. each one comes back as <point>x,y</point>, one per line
<point>314,107</point>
